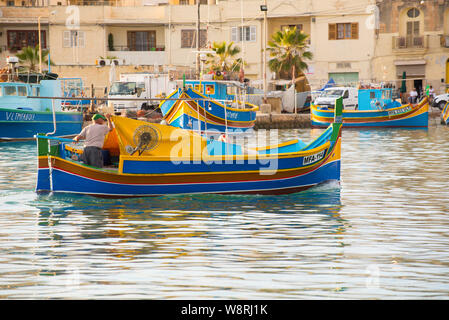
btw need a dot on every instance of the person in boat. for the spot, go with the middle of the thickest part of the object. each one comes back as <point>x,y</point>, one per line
<point>94,135</point>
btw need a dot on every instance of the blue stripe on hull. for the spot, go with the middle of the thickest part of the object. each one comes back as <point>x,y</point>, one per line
<point>24,125</point>
<point>66,182</point>
<point>220,165</point>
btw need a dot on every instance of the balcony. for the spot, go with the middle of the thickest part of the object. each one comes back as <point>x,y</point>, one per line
<point>119,3</point>
<point>444,41</point>
<point>410,42</point>
<point>143,48</point>
<point>137,56</point>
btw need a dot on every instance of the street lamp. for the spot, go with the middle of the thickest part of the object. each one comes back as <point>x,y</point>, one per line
<point>40,48</point>
<point>264,9</point>
<point>39,37</point>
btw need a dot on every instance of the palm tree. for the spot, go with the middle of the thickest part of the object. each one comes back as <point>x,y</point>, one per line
<point>30,57</point>
<point>288,50</point>
<point>224,59</point>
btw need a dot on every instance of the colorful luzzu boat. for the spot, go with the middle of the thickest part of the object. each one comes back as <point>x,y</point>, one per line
<point>152,159</point>
<point>445,115</point>
<point>376,108</point>
<point>207,107</point>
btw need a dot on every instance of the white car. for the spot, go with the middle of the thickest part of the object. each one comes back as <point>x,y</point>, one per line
<point>330,95</point>
<point>440,101</point>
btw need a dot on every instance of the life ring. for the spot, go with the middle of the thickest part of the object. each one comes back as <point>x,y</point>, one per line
<point>223,138</point>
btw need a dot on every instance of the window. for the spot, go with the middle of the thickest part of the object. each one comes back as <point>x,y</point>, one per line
<point>73,38</point>
<point>201,2</point>
<point>340,31</point>
<point>243,33</point>
<point>413,13</point>
<point>18,39</point>
<point>10,91</point>
<point>10,3</point>
<point>188,38</point>
<point>22,91</point>
<point>210,89</point>
<point>141,40</point>
<point>199,88</point>
<point>345,78</point>
<point>299,27</point>
<point>183,2</point>
<point>35,91</point>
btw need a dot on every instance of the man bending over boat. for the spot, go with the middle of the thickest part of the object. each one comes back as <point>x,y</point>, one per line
<point>94,135</point>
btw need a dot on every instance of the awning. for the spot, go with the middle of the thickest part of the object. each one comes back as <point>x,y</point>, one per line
<point>413,68</point>
<point>409,62</point>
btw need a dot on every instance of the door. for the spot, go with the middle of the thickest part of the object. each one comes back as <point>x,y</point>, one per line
<point>418,86</point>
<point>413,38</point>
<point>141,40</point>
<point>447,72</point>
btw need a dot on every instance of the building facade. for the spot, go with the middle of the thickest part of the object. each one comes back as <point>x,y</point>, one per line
<point>413,40</point>
<point>351,41</point>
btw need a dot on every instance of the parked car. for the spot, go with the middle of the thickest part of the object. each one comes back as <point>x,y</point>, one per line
<point>440,101</point>
<point>330,95</point>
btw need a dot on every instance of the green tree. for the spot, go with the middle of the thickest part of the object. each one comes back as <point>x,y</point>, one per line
<point>224,59</point>
<point>29,58</point>
<point>110,42</point>
<point>288,51</point>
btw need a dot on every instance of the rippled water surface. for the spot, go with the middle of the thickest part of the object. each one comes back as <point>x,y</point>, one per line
<point>383,233</point>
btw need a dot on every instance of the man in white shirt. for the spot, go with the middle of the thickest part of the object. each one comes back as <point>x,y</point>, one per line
<point>94,135</point>
<point>431,93</point>
<point>413,96</point>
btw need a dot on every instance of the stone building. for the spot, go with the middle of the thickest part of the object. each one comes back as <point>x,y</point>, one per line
<point>413,37</point>
<point>351,41</point>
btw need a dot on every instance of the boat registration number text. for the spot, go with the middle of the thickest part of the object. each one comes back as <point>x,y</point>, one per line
<point>313,158</point>
<point>399,111</point>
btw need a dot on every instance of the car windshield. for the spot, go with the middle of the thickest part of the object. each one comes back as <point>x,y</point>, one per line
<point>332,93</point>
<point>123,88</point>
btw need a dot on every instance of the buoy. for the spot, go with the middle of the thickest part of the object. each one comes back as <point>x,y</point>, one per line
<point>223,138</point>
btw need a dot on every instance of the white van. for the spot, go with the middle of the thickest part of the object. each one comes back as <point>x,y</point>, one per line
<point>330,95</point>
<point>140,85</point>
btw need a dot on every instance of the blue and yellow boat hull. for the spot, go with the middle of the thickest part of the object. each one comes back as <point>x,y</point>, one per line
<point>445,115</point>
<point>403,116</point>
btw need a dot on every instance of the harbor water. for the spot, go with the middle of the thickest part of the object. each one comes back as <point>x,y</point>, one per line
<point>382,233</point>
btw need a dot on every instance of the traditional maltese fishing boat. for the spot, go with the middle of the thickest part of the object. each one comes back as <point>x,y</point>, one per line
<point>376,108</point>
<point>22,117</point>
<point>209,107</point>
<point>152,159</point>
<point>445,115</point>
